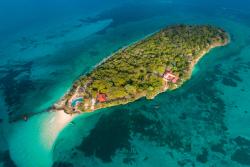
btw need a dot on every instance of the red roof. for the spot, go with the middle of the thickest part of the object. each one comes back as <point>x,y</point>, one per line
<point>101,97</point>
<point>175,80</point>
<point>170,77</point>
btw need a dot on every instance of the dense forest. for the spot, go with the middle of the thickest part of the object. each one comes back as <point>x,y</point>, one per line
<point>137,70</point>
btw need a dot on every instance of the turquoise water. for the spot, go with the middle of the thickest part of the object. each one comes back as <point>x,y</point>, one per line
<point>204,123</point>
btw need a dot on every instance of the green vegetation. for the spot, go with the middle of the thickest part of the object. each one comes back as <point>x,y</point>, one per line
<point>138,70</point>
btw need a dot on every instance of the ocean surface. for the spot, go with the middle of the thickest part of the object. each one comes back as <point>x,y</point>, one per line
<point>46,45</point>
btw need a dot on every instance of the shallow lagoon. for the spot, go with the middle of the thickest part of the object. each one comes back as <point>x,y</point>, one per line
<point>204,123</point>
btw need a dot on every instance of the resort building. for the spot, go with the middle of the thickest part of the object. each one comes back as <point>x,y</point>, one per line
<point>101,97</point>
<point>168,76</point>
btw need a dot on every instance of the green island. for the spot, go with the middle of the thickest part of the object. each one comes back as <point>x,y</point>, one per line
<point>160,62</point>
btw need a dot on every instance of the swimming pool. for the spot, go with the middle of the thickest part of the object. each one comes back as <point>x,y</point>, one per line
<point>75,101</point>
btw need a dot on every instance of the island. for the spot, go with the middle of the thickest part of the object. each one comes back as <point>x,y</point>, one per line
<point>160,62</point>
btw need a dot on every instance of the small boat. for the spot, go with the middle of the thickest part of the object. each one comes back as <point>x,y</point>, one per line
<point>157,106</point>
<point>25,118</point>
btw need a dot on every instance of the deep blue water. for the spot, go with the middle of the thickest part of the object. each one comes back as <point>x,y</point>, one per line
<point>46,45</point>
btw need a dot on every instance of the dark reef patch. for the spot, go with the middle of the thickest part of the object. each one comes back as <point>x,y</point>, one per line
<point>241,141</point>
<point>129,160</point>
<point>242,156</point>
<point>6,159</point>
<point>203,156</point>
<point>26,43</point>
<point>114,131</point>
<point>15,82</point>
<point>229,82</point>
<point>219,148</point>
<point>110,134</point>
<point>62,164</point>
<point>186,162</point>
<point>234,76</point>
<point>148,127</point>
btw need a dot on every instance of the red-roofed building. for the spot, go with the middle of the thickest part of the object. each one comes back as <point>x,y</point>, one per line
<point>175,79</point>
<point>101,97</point>
<point>169,77</point>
